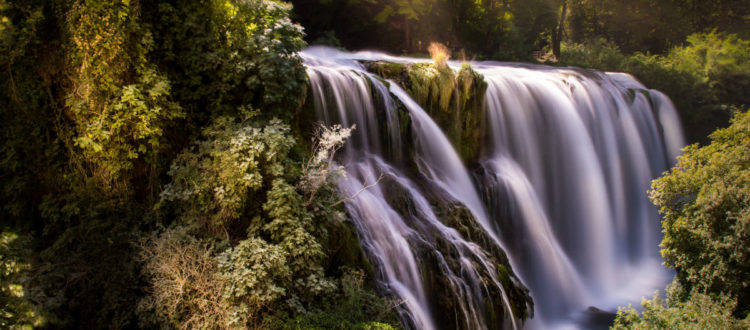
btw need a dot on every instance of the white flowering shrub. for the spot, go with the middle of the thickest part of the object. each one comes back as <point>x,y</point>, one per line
<point>321,170</point>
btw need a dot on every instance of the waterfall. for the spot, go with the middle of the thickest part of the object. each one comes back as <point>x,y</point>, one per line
<point>560,187</point>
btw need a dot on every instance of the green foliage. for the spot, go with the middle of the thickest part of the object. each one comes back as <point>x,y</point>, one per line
<point>256,275</point>
<point>98,98</point>
<point>26,120</point>
<point>705,202</point>
<point>700,311</point>
<point>516,29</point>
<point>86,272</point>
<point>118,103</point>
<point>225,55</point>
<point>81,264</point>
<point>507,30</point>
<point>291,228</point>
<point>16,309</point>
<point>720,61</point>
<point>635,25</point>
<point>356,308</point>
<point>213,183</point>
<point>653,26</point>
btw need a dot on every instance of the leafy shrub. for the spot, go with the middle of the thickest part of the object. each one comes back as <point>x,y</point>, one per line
<point>118,102</point>
<point>224,55</point>
<point>700,311</point>
<point>705,203</point>
<point>16,307</point>
<point>719,60</point>
<point>354,307</point>
<point>255,274</point>
<point>213,182</point>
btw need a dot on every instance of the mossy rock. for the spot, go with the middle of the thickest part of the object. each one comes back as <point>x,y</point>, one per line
<point>434,252</point>
<point>454,99</point>
<point>459,217</point>
<point>388,70</point>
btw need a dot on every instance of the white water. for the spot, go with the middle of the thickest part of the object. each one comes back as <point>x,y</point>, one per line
<point>562,189</point>
<point>576,154</point>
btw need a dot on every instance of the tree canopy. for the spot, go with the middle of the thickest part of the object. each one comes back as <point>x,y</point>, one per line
<point>705,202</point>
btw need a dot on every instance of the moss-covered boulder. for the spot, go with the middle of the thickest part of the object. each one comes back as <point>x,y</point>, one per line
<point>454,99</point>
<point>459,217</point>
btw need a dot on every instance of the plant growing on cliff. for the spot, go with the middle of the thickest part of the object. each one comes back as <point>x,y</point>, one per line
<point>705,203</point>
<point>320,170</point>
<point>213,183</point>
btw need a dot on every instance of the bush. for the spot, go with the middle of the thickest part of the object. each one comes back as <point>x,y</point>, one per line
<point>185,290</point>
<point>705,204</point>
<point>16,308</point>
<point>355,307</point>
<point>118,102</point>
<point>223,55</point>
<point>700,311</point>
<point>722,61</point>
<point>214,181</point>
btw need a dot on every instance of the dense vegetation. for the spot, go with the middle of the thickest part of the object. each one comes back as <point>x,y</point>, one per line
<point>152,172</point>
<point>512,29</point>
<point>705,202</point>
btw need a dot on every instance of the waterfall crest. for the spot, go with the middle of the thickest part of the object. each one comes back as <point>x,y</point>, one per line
<point>560,186</point>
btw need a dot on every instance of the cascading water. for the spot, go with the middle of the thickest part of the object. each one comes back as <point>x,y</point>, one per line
<point>342,95</point>
<point>561,187</point>
<point>573,153</point>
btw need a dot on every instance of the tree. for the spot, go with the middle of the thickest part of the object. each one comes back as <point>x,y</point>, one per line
<point>558,33</point>
<point>705,203</point>
<point>700,311</point>
<point>408,10</point>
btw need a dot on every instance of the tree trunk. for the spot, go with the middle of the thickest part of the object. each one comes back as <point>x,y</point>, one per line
<point>407,38</point>
<point>557,35</point>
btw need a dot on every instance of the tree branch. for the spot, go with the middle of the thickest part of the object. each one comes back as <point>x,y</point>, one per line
<point>365,187</point>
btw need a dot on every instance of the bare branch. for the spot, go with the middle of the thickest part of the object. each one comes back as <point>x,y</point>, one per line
<point>365,187</point>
